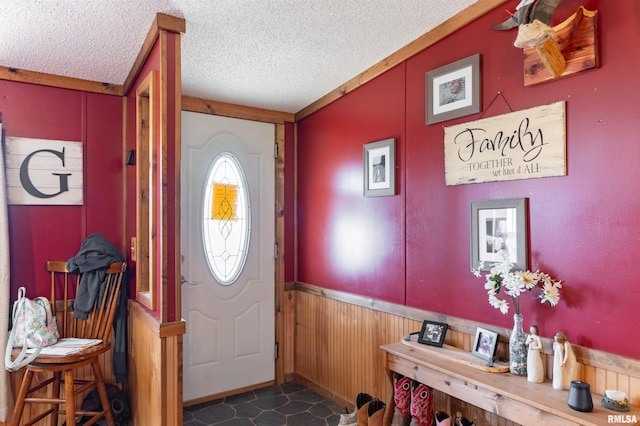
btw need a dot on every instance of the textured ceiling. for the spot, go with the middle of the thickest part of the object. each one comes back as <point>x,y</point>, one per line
<point>275,54</point>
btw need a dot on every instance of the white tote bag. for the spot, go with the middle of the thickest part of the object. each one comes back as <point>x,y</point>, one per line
<point>34,326</point>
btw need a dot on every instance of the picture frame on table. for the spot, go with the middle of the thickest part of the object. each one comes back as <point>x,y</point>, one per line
<point>379,161</point>
<point>499,225</point>
<point>453,90</point>
<point>433,333</point>
<point>485,344</point>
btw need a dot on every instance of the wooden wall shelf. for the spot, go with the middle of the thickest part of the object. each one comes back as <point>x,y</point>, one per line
<point>508,396</point>
<point>577,41</point>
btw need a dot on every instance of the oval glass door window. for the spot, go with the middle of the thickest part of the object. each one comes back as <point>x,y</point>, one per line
<point>227,221</point>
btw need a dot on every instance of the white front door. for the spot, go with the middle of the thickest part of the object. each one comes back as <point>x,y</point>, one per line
<point>228,285</point>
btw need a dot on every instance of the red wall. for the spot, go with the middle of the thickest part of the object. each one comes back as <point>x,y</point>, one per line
<point>41,233</point>
<point>152,63</point>
<point>346,241</point>
<point>413,248</point>
<point>289,202</point>
<point>166,110</point>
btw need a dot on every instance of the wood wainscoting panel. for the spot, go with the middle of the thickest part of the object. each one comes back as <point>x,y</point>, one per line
<point>155,376</point>
<point>337,346</point>
<point>337,350</point>
<point>145,353</point>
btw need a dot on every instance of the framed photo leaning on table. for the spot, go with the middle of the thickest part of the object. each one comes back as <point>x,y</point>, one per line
<point>433,333</point>
<point>485,344</point>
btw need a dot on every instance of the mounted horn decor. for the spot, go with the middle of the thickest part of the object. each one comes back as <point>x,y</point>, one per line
<point>549,53</point>
<point>577,39</point>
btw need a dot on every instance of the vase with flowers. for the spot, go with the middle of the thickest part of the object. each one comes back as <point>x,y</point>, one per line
<point>517,284</point>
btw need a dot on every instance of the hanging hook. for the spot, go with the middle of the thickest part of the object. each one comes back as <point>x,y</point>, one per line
<point>493,100</point>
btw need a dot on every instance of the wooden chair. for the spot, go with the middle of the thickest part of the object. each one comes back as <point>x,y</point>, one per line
<point>61,367</point>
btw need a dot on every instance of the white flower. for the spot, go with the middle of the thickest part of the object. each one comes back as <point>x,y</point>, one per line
<point>550,293</point>
<point>498,303</point>
<point>491,285</point>
<point>529,278</point>
<point>502,268</point>
<point>516,284</point>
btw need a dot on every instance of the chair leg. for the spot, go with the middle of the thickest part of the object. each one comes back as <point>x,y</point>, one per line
<point>55,393</point>
<point>70,397</point>
<point>102,391</point>
<point>22,394</point>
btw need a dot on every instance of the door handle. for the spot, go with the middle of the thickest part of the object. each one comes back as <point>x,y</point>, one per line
<point>183,280</point>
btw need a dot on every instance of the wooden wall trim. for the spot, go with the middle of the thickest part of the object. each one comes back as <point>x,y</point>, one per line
<point>162,22</point>
<point>159,329</point>
<point>585,355</point>
<point>448,27</point>
<point>460,324</point>
<point>235,111</point>
<point>163,142</point>
<point>169,23</point>
<point>178,25</point>
<point>177,184</point>
<point>169,329</point>
<point>337,350</point>
<point>281,326</point>
<point>23,76</point>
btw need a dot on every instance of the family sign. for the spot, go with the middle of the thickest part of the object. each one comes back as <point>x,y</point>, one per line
<point>519,145</point>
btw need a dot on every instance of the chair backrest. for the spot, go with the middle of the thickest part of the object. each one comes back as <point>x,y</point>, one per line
<point>98,324</point>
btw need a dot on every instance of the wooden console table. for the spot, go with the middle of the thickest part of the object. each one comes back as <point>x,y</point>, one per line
<point>504,394</point>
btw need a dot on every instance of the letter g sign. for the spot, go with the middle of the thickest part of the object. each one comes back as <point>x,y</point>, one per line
<point>44,172</point>
<point>27,184</point>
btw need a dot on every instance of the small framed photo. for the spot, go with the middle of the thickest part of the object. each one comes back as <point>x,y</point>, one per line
<point>379,160</point>
<point>433,333</point>
<point>453,90</point>
<point>499,225</point>
<point>485,344</point>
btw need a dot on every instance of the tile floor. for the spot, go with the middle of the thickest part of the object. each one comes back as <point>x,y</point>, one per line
<point>287,404</point>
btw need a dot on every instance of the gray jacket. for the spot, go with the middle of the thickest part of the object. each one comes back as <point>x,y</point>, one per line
<point>92,260</point>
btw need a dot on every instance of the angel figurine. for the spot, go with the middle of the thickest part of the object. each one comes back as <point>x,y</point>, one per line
<point>535,370</point>
<point>564,362</point>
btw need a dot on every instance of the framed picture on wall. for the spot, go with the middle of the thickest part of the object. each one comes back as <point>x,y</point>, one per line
<point>485,344</point>
<point>433,333</point>
<point>498,225</point>
<point>453,90</point>
<point>379,160</point>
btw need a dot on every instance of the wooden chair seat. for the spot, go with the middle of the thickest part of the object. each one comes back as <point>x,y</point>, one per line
<point>59,370</point>
<point>89,352</point>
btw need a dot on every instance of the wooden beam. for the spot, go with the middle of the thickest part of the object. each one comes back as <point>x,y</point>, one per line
<point>468,15</point>
<point>236,111</point>
<point>24,76</point>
